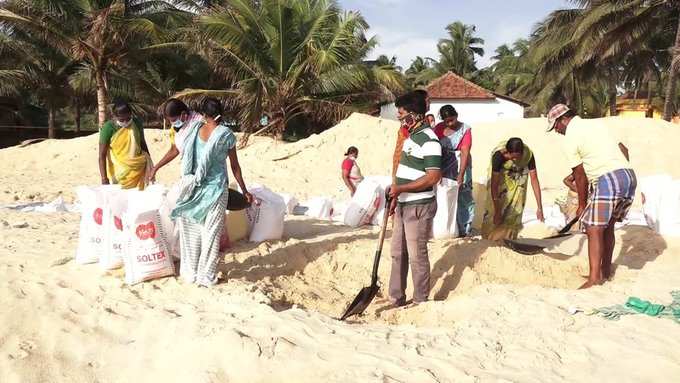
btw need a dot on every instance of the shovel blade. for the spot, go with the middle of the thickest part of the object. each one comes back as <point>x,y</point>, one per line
<point>523,248</point>
<point>560,235</point>
<point>236,201</point>
<point>362,300</point>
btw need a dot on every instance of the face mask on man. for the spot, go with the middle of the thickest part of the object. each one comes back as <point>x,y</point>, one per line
<point>408,121</point>
<point>123,124</point>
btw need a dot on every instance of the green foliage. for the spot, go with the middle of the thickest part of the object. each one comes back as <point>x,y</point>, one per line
<point>619,44</point>
<point>303,63</point>
<point>418,66</point>
<point>103,35</point>
<point>292,58</point>
<point>457,53</point>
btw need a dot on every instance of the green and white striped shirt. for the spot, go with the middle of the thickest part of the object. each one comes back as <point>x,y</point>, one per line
<point>422,151</point>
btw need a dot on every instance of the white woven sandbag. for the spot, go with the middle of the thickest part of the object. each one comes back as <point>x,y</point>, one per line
<point>147,257</point>
<point>319,208</point>
<point>444,223</point>
<point>339,210</point>
<point>266,215</point>
<point>652,189</point>
<point>116,236</point>
<point>366,201</point>
<point>669,212</point>
<point>290,201</point>
<point>384,182</point>
<point>92,236</point>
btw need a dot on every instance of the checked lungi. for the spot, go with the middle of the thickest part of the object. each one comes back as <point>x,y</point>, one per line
<point>611,197</point>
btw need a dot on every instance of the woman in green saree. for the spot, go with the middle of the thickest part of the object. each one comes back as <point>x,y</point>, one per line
<point>512,164</point>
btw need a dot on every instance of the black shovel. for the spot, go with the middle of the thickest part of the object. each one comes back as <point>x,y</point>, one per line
<point>366,295</point>
<point>527,249</point>
<point>565,230</point>
<point>236,201</point>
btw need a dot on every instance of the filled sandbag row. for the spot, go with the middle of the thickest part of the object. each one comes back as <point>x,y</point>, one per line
<point>661,203</point>
<point>122,227</point>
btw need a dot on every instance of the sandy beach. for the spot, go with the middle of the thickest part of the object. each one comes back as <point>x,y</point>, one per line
<point>495,315</point>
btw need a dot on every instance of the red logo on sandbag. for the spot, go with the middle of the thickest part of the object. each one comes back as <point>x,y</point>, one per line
<point>146,231</point>
<point>118,223</point>
<point>97,215</point>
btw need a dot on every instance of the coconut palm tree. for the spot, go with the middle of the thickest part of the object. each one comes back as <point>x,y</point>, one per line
<point>513,69</point>
<point>417,67</point>
<point>39,69</point>
<point>457,53</point>
<point>461,48</point>
<point>101,33</point>
<point>614,28</point>
<point>551,52</point>
<point>290,60</point>
<point>564,71</point>
<point>83,93</point>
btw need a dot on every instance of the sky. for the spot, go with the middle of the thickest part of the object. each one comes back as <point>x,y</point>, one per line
<point>400,33</point>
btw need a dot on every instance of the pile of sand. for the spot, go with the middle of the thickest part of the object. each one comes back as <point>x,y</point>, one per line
<point>495,315</point>
<point>311,167</point>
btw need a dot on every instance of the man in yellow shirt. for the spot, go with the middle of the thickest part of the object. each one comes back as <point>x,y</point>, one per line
<point>600,163</point>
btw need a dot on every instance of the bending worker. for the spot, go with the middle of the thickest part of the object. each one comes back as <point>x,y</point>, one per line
<point>512,164</point>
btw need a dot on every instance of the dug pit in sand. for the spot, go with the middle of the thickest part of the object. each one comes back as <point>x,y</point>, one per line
<point>322,266</point>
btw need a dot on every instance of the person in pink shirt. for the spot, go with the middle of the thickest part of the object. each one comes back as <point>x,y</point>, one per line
<point>351,174</point>
<point>456,140</point>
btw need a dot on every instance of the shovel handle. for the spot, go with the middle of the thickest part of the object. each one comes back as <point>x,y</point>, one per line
<point>386,217</point>
<point>568,226</point>
<point>381,239</point>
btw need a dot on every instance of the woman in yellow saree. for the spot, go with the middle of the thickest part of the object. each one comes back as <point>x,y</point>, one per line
<point>123,154</point>
<point>512,164</point>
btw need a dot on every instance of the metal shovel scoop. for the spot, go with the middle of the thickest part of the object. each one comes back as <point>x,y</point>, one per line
<point>236,200</point>
<point>366,295</point>
<point>527,249</point>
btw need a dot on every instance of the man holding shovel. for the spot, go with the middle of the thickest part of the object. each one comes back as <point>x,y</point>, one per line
<point>402,134</point>
<point>600,163</point>
<point>413,200</point>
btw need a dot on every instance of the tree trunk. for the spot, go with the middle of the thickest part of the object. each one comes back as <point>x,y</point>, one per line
<point>672,77</point>
<point>101,98</point>
<point>650,108</point>
<point>50,123</point>
<point>611,94</point>
<point>77,116</point>
<point>670,95</point>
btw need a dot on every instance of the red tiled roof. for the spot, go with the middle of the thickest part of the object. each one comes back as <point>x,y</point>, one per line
<point>452,86</point>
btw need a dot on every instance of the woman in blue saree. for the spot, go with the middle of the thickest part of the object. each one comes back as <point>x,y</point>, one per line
<point>201,206</point>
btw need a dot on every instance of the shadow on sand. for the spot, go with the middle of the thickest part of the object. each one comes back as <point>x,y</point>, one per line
<point>452,264</point>
<point>639,245</point>
<point>281,260</point>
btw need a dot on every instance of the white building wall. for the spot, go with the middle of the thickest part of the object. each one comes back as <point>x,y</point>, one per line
<point>469,111</point>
